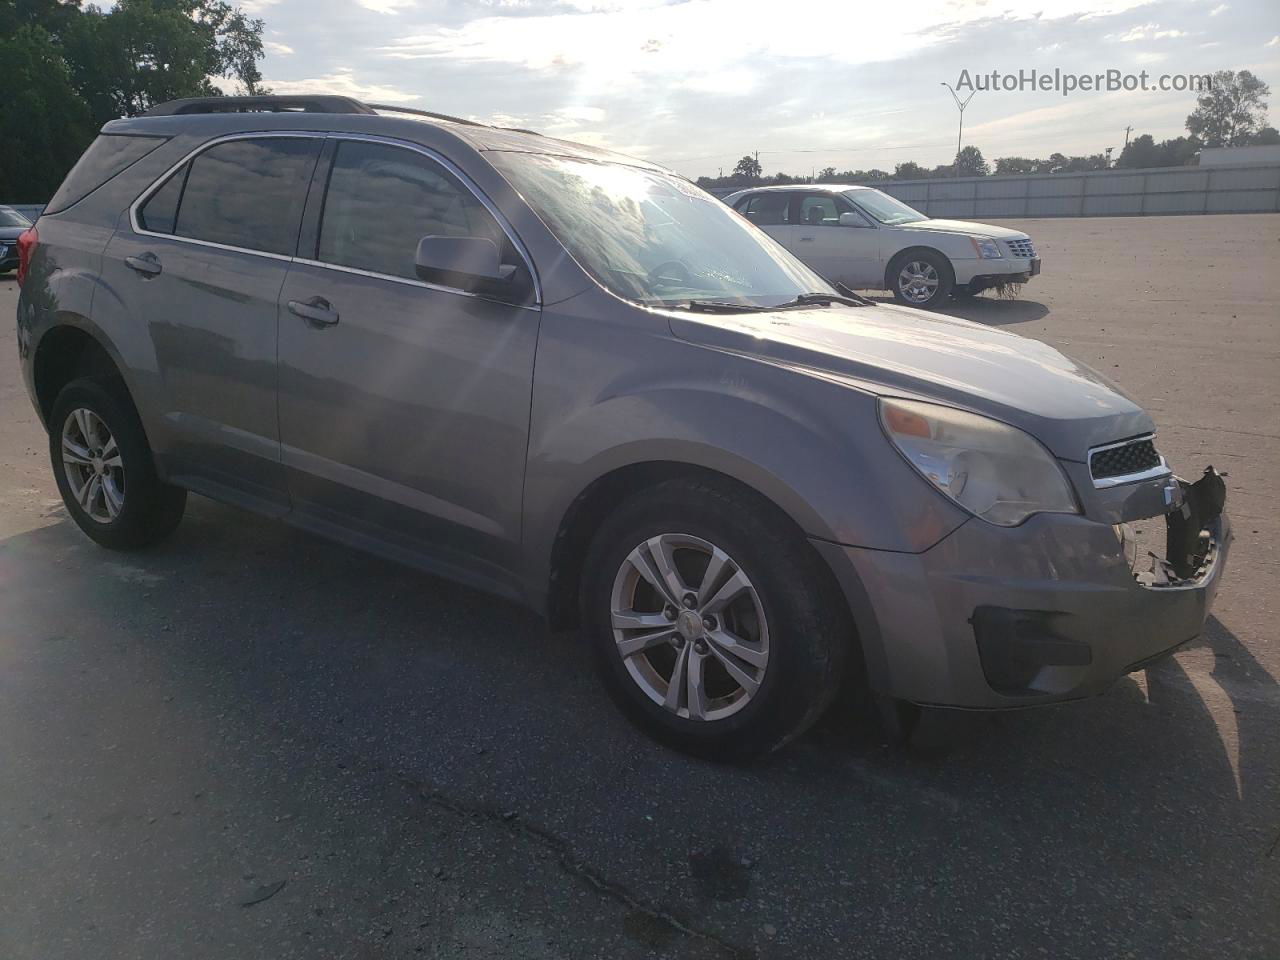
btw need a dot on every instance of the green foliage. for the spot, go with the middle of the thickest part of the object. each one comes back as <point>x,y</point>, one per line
<point>1143,151</point>
<point>1231,112</point>
<point>43,131</point>
<point>748,168</point>
<point>81,67</point>
<point>970,163</point>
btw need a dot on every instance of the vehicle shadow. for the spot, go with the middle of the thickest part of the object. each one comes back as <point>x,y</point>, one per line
<point>985,308</point>
<point>290,675</point>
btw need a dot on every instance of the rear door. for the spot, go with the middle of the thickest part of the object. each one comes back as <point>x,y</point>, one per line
<point>838,252</point>
<point>404,405</point>
<point>771,212</point>
<point>201,264</point>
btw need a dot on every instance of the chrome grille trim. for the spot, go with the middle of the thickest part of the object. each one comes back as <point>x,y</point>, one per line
<point>1160,469</point>
<point>1021,249</point>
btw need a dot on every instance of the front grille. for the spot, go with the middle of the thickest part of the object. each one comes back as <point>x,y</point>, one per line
<point>1021,249</point>
<point>1134,456</point>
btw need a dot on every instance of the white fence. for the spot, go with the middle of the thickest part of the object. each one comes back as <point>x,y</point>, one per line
<point>1102,193</point>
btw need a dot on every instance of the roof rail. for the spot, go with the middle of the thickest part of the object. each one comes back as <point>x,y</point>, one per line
<point>423,113</point>
<point>285,104</point>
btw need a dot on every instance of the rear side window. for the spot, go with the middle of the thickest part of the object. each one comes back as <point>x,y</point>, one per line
<point>106,157</point>
<point>242,193</point>
<point>821,210</point>
<point>766,209</point>
<point>160,213</point>
<point>382,200</point>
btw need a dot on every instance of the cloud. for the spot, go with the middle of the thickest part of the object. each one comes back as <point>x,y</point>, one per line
<point>281,48</point>
<point>343,82</point>
<point>1148,31</point>
<point>1274,41</point>
<point>385,6</point>
<point>1220,8</point>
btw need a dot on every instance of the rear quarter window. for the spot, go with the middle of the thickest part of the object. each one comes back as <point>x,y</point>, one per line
<point>107,157</point>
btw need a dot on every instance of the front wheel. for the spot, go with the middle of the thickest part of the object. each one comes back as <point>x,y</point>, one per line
<point>713,624</point>
<point>104,469</point>
<point>921,279</point>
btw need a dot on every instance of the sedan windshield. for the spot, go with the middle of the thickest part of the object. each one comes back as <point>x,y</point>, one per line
<point>12,218</point>
<point>654,238</point>
<point>888,210</point>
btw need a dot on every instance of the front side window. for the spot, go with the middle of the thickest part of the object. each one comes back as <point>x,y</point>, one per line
<point>382,200</point>
<point>767,209</point>
<point>653,238</point>
<point>821,210</point>
<point>888,210</point>
<point>247,193</point>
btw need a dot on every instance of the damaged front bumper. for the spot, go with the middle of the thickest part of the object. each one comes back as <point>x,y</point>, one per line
<point>1054,609</point>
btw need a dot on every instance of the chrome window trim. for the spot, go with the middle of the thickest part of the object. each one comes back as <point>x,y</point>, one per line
<point>208,145</point>
<point>322,135</point>
<point>1149,474</point>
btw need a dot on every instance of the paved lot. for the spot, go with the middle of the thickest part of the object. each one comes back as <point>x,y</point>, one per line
<point>428,772</point>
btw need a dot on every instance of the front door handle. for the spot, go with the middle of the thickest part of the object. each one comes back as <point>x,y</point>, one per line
<point>806,239</point>
<point>316,311</point>
<point>147,264</point>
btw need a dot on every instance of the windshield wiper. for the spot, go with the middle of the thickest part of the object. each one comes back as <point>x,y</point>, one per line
<point>816,299</point>
<point>720,306</point>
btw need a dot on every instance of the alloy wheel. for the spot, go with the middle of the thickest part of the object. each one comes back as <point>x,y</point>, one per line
<point>918,281</point>
<point>689,627</point>
<point>94,469</point>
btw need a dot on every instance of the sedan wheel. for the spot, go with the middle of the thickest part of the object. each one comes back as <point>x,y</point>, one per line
<point>689,627</point>
<point>918,281</point>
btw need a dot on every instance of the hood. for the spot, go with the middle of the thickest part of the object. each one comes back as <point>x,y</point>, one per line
<point>966,227</point>
<point>897,351</point>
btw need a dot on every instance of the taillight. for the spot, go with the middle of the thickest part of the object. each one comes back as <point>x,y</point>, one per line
<point>27,241</point>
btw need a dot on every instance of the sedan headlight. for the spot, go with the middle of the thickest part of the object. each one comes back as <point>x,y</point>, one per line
<point>987,248</point>
<point>995,471</point>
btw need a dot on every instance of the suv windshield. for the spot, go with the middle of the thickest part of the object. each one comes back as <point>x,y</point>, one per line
<point>885,208</point>
<point>653,238</point>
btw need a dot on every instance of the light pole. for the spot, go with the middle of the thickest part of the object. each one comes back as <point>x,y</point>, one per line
<point>960,104</point>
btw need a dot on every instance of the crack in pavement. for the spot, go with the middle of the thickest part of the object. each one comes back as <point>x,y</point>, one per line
<point>573,865</point>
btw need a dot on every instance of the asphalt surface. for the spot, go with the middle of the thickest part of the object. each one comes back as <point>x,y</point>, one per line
<point>392,766</point>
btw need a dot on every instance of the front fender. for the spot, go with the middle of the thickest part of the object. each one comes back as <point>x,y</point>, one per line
<point>812,445</point>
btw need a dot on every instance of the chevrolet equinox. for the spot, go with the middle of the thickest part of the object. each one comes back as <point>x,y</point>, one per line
<point>573,379</point>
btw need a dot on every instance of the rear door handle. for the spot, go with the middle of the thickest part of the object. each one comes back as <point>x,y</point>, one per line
<point>147,264</point>
<point>806,239</point>
<point>315,311</point>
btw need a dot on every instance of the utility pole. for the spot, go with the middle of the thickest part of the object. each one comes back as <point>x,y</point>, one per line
<point>1127,131</point>
<point>960,105</point>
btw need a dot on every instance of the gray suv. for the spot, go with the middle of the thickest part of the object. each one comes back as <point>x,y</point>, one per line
<point>573,379</point>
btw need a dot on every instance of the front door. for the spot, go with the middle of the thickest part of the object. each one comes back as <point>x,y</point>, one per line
<point>837,251</point>
<point>200,270</point>
<point>404,406</point>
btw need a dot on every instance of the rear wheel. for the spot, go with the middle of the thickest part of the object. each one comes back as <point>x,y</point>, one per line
<point>712,622</point>
<point>104,469</point>
<point>921,278</point>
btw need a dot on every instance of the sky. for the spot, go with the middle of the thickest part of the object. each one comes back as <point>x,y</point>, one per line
<point>696,84</point>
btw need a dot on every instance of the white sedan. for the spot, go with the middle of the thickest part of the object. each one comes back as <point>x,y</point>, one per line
<point>869,240</point>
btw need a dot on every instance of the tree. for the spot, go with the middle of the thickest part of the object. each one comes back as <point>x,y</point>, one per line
<point>1143,151</point>
<point>909,171</point>
<point>1008,166</point>
<point>1264,137</point>
<point>143,52</point>
<point>970,163</point>
<point>1231,111</point>
<point>45,128</point>
<point>748,167</point>
<point>827,175</point>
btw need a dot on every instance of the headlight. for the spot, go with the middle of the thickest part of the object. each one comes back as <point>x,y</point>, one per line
<point>993,470</point>
<point>987,248</point>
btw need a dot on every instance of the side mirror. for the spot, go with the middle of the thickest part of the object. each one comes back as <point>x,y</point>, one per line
<point>851,220</point>
<point>467,263</point>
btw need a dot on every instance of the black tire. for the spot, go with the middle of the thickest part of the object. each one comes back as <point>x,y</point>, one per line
<point>809,629</point>
<point>150,509</point>
<point>946,278</point>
